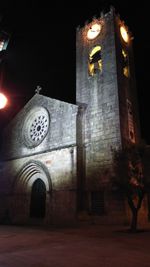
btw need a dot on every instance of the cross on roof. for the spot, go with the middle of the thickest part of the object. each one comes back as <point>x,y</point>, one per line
<point>38,89</point>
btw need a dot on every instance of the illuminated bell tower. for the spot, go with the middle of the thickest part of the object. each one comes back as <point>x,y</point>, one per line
<point>106,95</point>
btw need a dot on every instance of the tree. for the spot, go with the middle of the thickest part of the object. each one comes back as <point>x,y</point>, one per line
<point>132,172</point>
<point>145,156</point>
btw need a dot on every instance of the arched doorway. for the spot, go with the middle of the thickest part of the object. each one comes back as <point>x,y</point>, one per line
<point>38,199</point>
<point>31,194</point>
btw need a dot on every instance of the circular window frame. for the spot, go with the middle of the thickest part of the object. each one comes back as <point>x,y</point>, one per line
<point>36,126</point>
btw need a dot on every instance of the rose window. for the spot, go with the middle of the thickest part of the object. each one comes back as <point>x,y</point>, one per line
<point>36,126</point>
<point>39,128</point>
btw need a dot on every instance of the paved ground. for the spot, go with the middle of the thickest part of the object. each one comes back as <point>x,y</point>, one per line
<point>83,246</point>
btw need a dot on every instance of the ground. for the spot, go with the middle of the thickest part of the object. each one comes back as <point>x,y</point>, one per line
<point>81,246</point>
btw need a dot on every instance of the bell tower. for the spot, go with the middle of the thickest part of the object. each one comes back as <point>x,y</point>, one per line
<point>106,95</point>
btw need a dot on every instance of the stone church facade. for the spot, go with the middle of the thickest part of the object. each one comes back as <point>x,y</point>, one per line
<point>57,157</point>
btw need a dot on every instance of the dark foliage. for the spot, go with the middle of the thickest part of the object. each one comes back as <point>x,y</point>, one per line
<point>132,176</point>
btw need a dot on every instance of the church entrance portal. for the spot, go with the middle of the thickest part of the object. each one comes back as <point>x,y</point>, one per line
<point>38,199</point>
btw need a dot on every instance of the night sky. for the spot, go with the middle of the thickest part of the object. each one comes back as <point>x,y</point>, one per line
<point>41,51</point>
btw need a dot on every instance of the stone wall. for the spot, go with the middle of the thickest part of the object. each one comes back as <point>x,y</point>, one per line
<point>99,93</point>
<point>57,169</point>
<point>126,85</point>
<point>61,131</point>
<point>40,143</point>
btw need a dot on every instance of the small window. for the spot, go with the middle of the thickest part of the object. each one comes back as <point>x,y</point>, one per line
<point>125,64</point>
<point>95,61</point>
<point>130,122</point>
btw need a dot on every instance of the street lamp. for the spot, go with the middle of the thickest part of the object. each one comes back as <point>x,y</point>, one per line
<point>3,101</point>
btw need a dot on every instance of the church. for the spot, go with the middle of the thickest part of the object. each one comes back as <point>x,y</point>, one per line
<point>56,161</point>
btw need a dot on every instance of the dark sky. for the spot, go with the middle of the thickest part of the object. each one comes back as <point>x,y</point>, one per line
<point>41,50</point>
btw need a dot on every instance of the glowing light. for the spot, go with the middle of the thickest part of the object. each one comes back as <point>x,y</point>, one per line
<point>3,101</point>
<point>91,69</point>
<point>126,71</point>
<point>124,34</point>
<point>95,61</point>
<point>94,31</point>
<point>1,45</point>
<point>94,51</point>
<point>124,54</point>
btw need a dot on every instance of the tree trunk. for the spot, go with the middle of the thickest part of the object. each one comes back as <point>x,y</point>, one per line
<point>135,209</point>
<point>133,226</point>
<point>148,202</point>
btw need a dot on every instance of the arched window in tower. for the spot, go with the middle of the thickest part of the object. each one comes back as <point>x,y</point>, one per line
<point>125,63</point>
<point>95,61</point>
